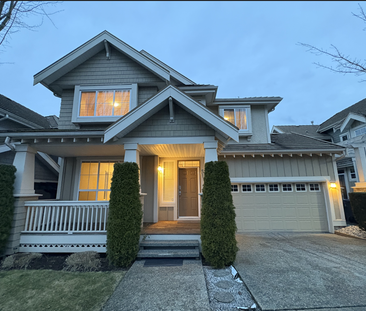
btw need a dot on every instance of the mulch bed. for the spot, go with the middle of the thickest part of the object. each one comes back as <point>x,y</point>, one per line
<point>57,262</point>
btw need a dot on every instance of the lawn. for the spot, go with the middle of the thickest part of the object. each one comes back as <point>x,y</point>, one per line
<point>56,290</point>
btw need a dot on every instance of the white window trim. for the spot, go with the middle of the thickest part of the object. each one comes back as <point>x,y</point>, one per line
<point>278,188</point>
<point>249,117</point>
<point>357,128</point>
<point>265,188</point>
<point>237,191</point>
<point>350,174</point>
<point>77,95</point>
<point>314,183</point>
<point>292,187</point>
<point>300,183</point>
<point>344,134</point>
<point>251,188</point>
<point>79,160</point>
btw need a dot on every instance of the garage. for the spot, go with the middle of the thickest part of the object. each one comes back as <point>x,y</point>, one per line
<point>280,207</point>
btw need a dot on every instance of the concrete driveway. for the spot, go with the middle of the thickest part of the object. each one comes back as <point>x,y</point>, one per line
<point>290,271</point>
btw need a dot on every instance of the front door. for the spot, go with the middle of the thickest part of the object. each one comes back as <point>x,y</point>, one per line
<point>188,192</point>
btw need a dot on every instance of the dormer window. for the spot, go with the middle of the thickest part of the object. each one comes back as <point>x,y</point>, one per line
<point>239,116</point>
<point>103,104</point>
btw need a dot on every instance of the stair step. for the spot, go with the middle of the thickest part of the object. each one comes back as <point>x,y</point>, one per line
<point>166,253</point>
<point>169,243</point>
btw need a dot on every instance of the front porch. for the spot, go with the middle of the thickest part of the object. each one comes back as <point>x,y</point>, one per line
<point>76,226</point>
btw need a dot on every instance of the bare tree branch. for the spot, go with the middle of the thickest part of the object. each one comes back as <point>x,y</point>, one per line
<point>14,15</point>
<point>344,64</point>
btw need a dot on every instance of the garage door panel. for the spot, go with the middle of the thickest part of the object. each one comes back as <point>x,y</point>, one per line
<point>281,211</point>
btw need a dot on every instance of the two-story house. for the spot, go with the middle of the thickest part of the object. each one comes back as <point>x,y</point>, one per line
<point>119,104</point>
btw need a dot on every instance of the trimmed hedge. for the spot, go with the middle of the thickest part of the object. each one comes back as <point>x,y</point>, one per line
<point>125,215</point>
<point>358,205</point>
<point>218,226</point>
<point>7,178</point>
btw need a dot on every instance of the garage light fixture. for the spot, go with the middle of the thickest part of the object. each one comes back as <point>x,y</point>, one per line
<point>333,185</point>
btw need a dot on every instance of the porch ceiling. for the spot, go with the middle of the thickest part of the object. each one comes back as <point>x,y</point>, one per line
<point>117,150</point>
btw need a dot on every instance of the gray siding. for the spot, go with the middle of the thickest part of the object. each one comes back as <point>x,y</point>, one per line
<point>42,172</point>
<point>66,110</point>
<point>98,70</point>
<point>68,179</point>
<point>145,93</point>
<point>185,125</point>
<point>280,167</point>
<point>7,157</point>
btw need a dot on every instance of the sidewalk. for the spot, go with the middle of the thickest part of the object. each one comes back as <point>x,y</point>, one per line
<point>161,288</point>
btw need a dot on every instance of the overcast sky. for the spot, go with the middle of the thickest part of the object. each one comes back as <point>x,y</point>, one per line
<point>245,48</point>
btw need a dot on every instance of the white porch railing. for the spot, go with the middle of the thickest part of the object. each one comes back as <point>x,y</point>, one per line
<point>66,217</point>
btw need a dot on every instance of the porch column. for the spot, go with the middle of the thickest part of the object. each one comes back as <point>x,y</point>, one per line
<point>210,151</point>
<point>360,156</point>
<point>23,191</point>
<point>132,153</point>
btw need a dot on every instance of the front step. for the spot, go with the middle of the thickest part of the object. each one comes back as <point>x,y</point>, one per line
<point>169,249</point>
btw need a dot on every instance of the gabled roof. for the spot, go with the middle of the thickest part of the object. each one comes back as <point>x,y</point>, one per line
<point>271,101</point>
<point>22,114</point>
<point>286,142</point>
<point>138,115</point>
<point>308,130</point>
<point>97,44</point>
<point>338,118</point>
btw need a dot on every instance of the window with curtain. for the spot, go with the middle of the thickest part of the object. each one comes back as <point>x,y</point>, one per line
<point>237,116</point>
<point>168,181</point>
<point>95,180</point>
<point>104,103</point>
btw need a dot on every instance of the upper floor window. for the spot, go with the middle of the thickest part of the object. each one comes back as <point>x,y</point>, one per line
<point>352,173</point>
<point>360,131</point>
<point>344,137</point>
<point>237,115</point>
<point>104,103</point>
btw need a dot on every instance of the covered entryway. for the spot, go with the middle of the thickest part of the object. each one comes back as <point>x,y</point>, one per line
<point>280,207</point>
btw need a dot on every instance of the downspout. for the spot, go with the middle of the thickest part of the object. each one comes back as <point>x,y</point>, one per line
<point>10,145</point>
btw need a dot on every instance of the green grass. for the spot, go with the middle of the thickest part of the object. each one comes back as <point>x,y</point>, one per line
<point>56,290</point>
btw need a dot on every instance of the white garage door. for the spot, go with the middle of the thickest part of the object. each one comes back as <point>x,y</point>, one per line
<point>280,207</point>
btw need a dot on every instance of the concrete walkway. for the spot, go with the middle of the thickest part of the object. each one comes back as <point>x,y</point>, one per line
<point>161,288</point>
<point>317,272</point>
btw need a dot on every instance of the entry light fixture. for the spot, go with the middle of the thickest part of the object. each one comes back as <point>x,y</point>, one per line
<point>333,185</point>
<point>160,169</point>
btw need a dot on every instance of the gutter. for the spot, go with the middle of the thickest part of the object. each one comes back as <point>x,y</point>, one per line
<point>4,117</point>
<point>8,144</point>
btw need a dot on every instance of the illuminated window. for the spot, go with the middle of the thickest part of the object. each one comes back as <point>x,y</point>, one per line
<point>168,181</point>
<point>95,181</point>
<point>237,115</point>
<point>104,103</point>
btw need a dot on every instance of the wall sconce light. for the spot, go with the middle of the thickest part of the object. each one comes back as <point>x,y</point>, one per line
<point>160,169</point>
<point>333,185</point>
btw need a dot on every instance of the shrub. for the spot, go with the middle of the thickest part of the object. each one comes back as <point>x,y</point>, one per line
<point>83,262</point>
<point>125,215</point>
<point>358,205</point>
<point>218,226</point>
<point>7,178</point>
<point>19,261</point>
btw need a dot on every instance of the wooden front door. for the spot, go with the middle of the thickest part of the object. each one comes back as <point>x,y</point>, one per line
<point>188,192</point>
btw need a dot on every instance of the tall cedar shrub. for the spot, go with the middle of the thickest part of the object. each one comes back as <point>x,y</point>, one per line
<point>218,226</point>
<point>358,205</point>
<point>125,214</point>
<point>7,178</point>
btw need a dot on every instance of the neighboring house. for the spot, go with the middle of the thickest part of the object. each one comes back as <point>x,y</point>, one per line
<point>119,104</point>
<point>348,129</point>
<point>307,130</point>
<point>14,116</point>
